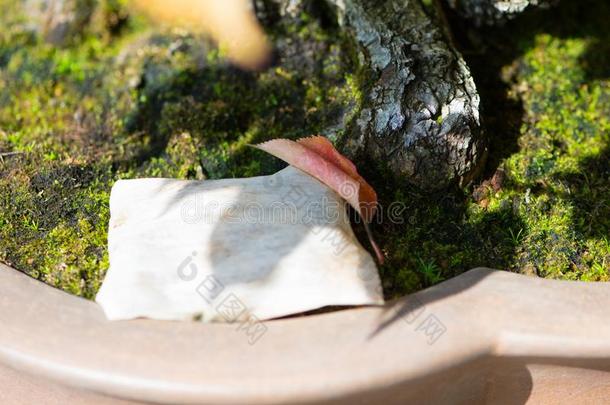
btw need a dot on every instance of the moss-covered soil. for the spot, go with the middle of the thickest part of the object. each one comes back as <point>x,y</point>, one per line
<point>542,207</point>
<point>124,101</point>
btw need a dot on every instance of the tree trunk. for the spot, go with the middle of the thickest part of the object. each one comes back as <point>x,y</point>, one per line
<point>420,111</point>
<point>490,12</point>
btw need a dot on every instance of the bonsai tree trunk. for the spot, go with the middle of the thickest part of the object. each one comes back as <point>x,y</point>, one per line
<point>419,111</point>
<point>489,12</point>
<point>419,114</point>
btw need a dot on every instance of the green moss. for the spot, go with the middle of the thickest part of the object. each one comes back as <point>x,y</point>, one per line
<point>126,101</point>
<point>551,215</point>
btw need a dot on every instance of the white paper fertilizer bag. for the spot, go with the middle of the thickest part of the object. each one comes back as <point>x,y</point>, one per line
<point>232,250</point>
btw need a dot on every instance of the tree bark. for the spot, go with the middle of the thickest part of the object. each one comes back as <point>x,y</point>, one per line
<point>420,111</point>
<point>490,12</point>
<point>59,21</point>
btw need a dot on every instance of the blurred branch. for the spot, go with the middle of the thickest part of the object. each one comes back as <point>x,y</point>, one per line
<point>8,154</point>
<point>231,23</point>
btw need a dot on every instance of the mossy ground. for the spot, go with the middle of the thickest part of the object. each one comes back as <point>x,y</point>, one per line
<point>542,206</point>
<point>130,101</point>
<point>126,101</point>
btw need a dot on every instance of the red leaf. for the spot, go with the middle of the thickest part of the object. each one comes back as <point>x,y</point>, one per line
<point>317,157</point>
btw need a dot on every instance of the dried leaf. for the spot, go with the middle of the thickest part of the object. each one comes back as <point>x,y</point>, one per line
<point>231,23</point>
<point>317,157</point>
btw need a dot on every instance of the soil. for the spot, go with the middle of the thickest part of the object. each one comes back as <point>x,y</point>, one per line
<point>126,100</point>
